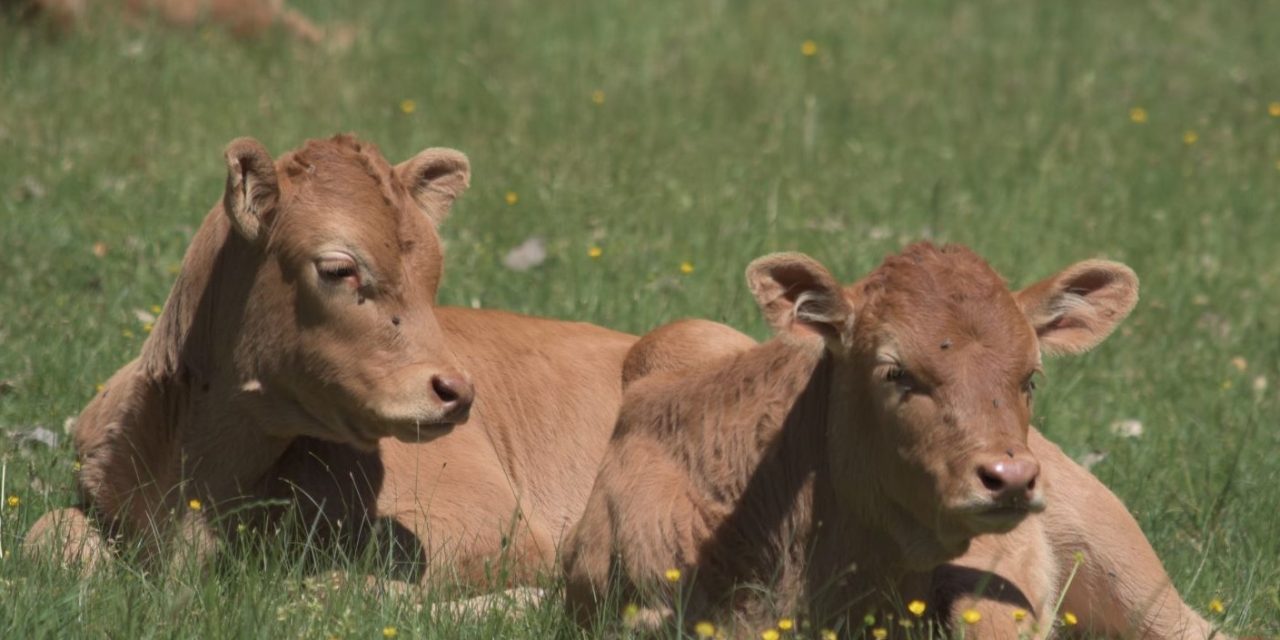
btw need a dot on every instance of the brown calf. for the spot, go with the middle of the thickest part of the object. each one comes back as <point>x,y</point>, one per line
<point>244,18</point>
<point>300,353</point>
<point>883,430</point>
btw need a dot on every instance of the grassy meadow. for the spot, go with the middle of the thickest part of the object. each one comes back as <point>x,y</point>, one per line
<point>657,148</point>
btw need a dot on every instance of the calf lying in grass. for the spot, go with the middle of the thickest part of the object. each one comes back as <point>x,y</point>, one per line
<point>804,475</point>
<point>301,371</point>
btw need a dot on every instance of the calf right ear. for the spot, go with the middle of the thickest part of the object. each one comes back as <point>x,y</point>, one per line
<point>1080,306</point>
<point>797,294</point>
<point>252,188</point>
<point>435,178</point>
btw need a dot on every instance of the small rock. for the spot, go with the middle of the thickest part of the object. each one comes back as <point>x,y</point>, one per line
<point>1091,459</point>
<point>1129,428</point>
<point>40,435</point>
<point>529,254</point>
<point>29,189</point>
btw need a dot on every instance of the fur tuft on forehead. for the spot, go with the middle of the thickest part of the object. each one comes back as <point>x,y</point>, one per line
<point>336,160</point>
<point>926,272</point>
<point>936,294</point>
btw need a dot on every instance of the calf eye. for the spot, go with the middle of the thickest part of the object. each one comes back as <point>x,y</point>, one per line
<point>902,378</point>
<point>336,267</point>
<point>1029,385</point>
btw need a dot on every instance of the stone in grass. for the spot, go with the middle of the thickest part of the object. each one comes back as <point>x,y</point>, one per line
<point>527,255</point>
<point>36,435</point>
<point>1128,428</point>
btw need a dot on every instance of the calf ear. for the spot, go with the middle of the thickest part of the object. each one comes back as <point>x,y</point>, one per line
<point>252,188</point>
<point>435,178</point>
<point>797,294</point>
<point>1079,307</point>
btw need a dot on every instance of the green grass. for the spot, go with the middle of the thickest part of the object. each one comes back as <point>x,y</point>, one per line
<point>1003,125</point>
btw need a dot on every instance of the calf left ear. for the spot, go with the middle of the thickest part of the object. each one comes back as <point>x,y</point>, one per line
<point>797,294</point>
<point>252,187</point>
<point>1079,307</point>
<point>435,178</point>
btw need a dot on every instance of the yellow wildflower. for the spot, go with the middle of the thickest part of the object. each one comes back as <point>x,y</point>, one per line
<point>147,327</point>
<point>14,502</point>
<point>630,612</point>
<point>673,575</point>
<point>597,97</point>
<point>127,333</point>
<point>828,634</point>
<point>1189,137</point>
<point>76,466</point>
<point>916,607</point>
<point>512,198</point>
<point>770,634</point>
<point>194,504</point>
<point>595,252</point>
<point>407,107</point>
<point>1019,615</point>
<point>809,48</point>
<point>705,629</point>
<point>99,387</point>
<point>389,632</point>
<point>1274,109</point>
<point>971,616</point>
<point>1070,619</point>
<point>1215,605</point>
<point>786,624</point>
<point>879,633</point>
<point>1138,115</point>
<point>156,309</point>
<point>686,268</point>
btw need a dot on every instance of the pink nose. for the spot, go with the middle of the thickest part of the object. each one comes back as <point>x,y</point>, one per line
<point>455,395</point>
<point>1010,480</point>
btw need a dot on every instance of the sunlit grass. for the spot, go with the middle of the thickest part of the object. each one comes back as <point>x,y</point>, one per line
<point>657,148</point>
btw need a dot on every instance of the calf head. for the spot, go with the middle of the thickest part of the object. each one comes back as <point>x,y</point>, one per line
<point>934,367</point>
<point>338,323</point>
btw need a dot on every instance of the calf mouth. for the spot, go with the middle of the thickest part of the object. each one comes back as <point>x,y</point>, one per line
<point>423,431</point>
<point>999,517</point>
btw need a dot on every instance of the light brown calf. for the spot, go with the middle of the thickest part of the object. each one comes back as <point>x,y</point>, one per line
<point>299,355</point>
<point>244,18</point>
<point>883,430</point>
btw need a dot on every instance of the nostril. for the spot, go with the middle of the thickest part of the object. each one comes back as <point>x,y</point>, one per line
<point>444,390</point>
<point>1031,486</point>
<point>990,480</point>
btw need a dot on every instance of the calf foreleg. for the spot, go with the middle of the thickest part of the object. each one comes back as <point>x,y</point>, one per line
<point>71,537</point>
<point>1120,587</point>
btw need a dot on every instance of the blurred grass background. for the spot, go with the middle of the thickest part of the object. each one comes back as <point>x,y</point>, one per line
<point>707,133</point>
